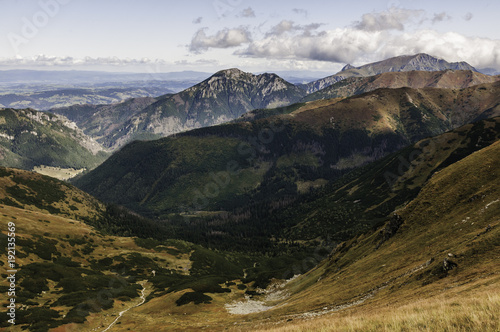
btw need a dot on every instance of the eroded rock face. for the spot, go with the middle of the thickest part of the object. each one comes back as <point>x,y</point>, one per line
<point>448,264</point>
<point>390,229</point>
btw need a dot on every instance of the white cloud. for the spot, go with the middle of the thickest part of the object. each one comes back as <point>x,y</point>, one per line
<point>349,45</point>
<point>248,12</point>
<point>53,61</point>
<point>391,19</point>
<point>452,46</point>
<point>225,38</point>
<point>199,62</point>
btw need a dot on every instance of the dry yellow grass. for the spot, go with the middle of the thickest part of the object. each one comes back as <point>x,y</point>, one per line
<point>34,223</point>
<point>472,312</point>
<point>58,172</point>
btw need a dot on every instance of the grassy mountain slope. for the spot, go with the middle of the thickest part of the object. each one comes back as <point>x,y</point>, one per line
<point>73,273</point>
<point>442,246</point>
<point>30,138</point>
<point>447,79</point>
<point>420,62</point>
<point>357,202</point>
<point>364,197</point>
<point>218,167</point>
<point>36,192</point>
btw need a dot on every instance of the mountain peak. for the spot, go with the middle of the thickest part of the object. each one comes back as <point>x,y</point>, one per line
<point>231,72</point>
<point>347,67</point>
<point>415,62</point>
<point>426,62</point>
<point>425,56</point>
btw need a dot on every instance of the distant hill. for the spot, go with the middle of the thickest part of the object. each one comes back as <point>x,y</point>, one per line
<point>489,71</point>
<point>63,97</point>
<point>420,62</point>
<point>446,79</point>
<point>44,90</point>
<point>30,138</point>
<point>224,96</point>
<point>92,77</point>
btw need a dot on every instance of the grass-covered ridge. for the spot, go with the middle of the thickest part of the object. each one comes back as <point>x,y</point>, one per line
<point>37,192</point>
<point>444,245</point>
<point>265,201</point>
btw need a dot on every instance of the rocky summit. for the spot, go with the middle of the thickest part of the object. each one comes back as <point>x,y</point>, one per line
<point>421,61</point>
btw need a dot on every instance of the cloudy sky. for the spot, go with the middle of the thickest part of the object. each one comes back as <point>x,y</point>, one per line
<point>253,35</point>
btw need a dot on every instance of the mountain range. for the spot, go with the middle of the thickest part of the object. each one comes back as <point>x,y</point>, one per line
<point>404,63</point>
<point>369,205</point>
<point>230,93</point>
<point>321,140</point>
<point>224,96</point>
<point>447,79</point>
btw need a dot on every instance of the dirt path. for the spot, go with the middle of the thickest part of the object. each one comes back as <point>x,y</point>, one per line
<point>143,299</point>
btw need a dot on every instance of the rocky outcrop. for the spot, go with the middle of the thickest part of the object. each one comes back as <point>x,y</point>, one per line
<point>390,229</point>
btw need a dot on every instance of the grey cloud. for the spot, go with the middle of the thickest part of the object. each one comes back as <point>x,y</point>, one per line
<point>340,45</point>
<point>225,38</point>
<point>300,11</point>
<point>282,27</point>
<point>248,12</point>
<point>198,20</point>
<point>440,17</point>
<point>290,27</point>
<point>392,19</point>
<point>468,16</point>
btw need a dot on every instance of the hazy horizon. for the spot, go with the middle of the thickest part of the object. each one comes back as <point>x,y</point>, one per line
<point>257,36</point>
